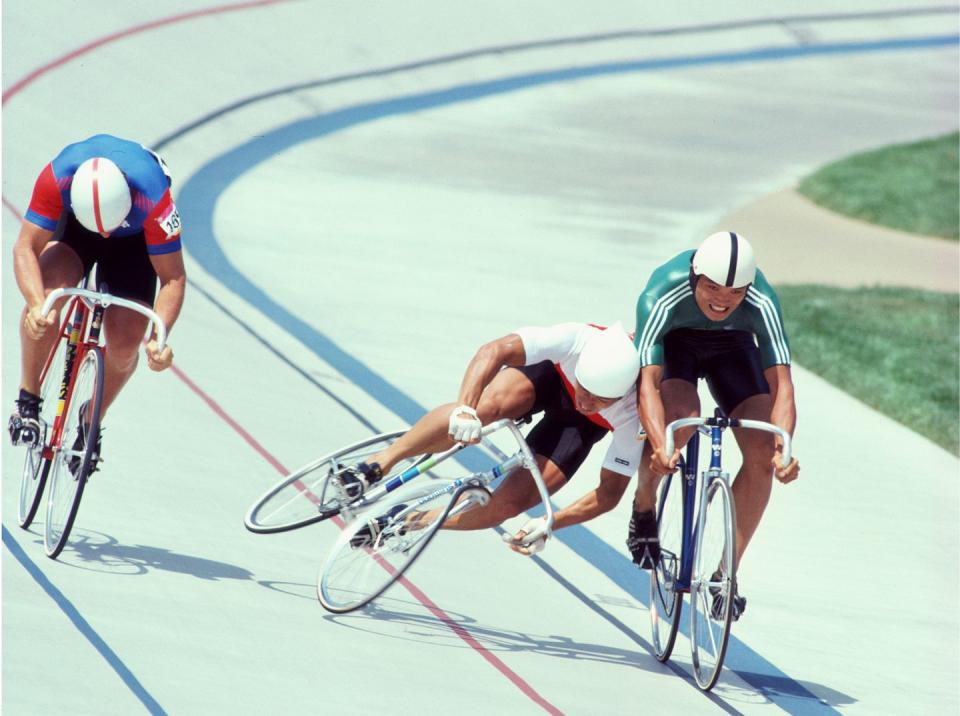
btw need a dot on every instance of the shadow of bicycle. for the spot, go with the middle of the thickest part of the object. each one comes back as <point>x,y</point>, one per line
<point>381,616</point>
<point>436,630</point>
<point>99,552</point>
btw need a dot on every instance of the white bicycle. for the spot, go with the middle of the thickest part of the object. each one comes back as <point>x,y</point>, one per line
<point>390,525</point>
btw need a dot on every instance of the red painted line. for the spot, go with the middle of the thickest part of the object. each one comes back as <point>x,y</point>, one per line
<point>136,29</point>
<point>414,591</point>
<point>13,209</point>
<point>223,415</point>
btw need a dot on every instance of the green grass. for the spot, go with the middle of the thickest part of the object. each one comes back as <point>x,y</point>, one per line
<point>911,187</point>
<point>897,350</point>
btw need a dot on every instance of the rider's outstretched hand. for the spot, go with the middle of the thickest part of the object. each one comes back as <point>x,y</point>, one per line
<point>36,323</point>
<point>465,426</point>
<point>787,473</point>
<point>531,538</point>
<point>158,360</point>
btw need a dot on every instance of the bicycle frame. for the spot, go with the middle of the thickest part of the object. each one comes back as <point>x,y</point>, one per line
<point>694,496</point>
<point>86,308</point>
<point>79,340</point>
<point>522,458</point>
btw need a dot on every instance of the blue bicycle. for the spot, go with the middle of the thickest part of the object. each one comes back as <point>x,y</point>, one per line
<point>696,522</point>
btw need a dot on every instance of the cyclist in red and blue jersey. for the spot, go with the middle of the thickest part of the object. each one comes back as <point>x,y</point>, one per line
<point>102,202</point>
<point>711,314</point>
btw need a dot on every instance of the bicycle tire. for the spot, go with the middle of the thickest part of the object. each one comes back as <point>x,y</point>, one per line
<point>666,603</point>
<point>66,485</point>
<point>352,577</point>
<point>300,498</point>
<point>36,468</point>
<point>714,551</point>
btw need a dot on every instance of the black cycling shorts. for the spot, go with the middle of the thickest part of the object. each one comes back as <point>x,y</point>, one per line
<point>729,360</point>
<point>122,262</point>
<point>563,435</point>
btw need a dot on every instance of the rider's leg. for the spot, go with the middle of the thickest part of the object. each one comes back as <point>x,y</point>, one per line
<point>124,330</point>
<point>680,400</point>
<point>754,481</point>
<point>509,395</point>
<point>60,267</point>
<point>516,494</point>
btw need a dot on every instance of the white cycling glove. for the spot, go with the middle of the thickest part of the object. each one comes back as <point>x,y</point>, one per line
<point>465,426</point>
<point>533,538</point>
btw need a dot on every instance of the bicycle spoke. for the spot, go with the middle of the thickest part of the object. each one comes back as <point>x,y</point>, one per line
<point>381,544</point>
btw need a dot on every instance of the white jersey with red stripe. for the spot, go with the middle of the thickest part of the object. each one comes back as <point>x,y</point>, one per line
<point>561,345</point>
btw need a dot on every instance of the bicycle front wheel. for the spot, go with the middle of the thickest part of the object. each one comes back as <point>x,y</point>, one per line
<point>380,545</point>
<point>666,602</point>
<point>35,466</point>
<point>713,585</point>
<point>72,462</point>
<point>307,495</point>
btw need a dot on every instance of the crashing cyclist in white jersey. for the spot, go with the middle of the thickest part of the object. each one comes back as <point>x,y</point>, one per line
<point>580,376</point>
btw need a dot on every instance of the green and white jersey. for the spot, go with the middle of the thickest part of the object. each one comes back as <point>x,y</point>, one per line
<point>667,303</point>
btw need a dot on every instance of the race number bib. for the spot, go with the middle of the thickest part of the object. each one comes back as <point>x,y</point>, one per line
<point>170,222</point>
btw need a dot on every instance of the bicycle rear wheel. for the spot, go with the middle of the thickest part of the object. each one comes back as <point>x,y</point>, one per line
<point>715,572</point>
<point>666,603</point>
<point>72,461</point>
<point>35,466</point>
<point>364,563</point>
<point>306,496</point>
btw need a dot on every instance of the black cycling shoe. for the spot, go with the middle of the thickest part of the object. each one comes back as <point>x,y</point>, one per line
<point>24,424</point>
<point>367,535</point>
<point>358,479</point>
<point>643,540</point>
<point>79,445</point>
<point>738,607</point>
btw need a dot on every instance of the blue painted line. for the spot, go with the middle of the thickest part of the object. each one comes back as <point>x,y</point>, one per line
<point>82,625</point>
<point>198,199</point>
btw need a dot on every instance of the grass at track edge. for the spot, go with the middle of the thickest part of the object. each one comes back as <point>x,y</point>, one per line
<point>895,349</point>
<point>911,187</point>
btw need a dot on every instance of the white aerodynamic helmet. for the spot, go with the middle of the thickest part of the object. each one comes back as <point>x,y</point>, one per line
<point>725,258</point>
<point>100,195</point>
<point>609,364</point>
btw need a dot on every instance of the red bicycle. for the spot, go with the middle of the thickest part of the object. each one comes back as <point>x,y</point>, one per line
<point>70,424</point>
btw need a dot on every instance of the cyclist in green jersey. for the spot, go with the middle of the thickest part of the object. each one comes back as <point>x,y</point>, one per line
<point>711,314</point>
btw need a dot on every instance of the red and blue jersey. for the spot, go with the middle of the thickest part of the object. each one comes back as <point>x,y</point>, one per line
<point>152,209</point>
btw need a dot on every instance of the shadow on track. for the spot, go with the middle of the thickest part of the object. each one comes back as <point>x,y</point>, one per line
<point>99,552</point>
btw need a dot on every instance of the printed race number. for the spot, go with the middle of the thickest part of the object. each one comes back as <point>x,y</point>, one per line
<point>170,222</point>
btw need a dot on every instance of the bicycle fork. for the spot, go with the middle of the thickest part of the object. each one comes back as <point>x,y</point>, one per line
<point>694,514</point>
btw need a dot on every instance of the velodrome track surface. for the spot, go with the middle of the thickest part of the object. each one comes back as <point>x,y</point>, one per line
<point>369,194</point>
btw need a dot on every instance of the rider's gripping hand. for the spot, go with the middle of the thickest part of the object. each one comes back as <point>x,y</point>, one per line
<point>787,473</point>
<point>36,323</point>
<point>158,360</point>
<point>465,426</point>
<point>531,538</point>
<point>663,465</point>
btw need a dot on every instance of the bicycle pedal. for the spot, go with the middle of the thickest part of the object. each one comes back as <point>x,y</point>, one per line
<point>23,433</point>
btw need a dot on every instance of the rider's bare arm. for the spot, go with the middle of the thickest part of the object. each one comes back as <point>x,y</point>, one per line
<point>486,363</point>
<point>784,411</point>
<point>653,418</point>
<point>603,499</point>
<point>173,282</point>
<point>650,405</point>
<point>783,414</point>
<point>26,262</point>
